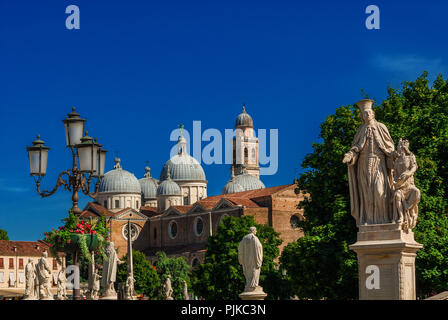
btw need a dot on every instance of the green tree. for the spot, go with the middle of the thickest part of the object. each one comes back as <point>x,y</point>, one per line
<point>221,277</point>
<point>320,264</point>
<point>3,235</point>
<point>147,281</point>
<point>177,268</point>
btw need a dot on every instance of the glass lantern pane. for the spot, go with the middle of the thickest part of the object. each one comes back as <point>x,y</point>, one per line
<point>102,162</point>
<point>34,158</point>
<point>85,158</point>
<point>95,159</point>
<point>74,131</point>
<point>43,164</point>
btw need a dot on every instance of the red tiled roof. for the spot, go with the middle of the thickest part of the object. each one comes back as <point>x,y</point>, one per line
<point>242,201</point>
<point>149,211</point>
<point>183,209</point>
<point>23,248</point>
<point>94,209</point>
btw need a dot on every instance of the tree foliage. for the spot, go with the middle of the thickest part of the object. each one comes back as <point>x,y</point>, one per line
<point>147,281</point>
<point>3,235</point>
<point>177,268</point>
<point>221,276</point>
<point>321,264</point>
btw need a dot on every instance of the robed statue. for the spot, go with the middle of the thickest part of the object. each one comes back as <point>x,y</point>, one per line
<point>44,275</point>
<point>250,256</point>
<point>167,288</point>
<point>406,194</point>
<point>110,272</point>
<point>370,164</point>
<point>62,284</point>
<point>30,275</point>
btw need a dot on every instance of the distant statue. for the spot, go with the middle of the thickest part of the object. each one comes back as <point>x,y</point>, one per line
<point>370,162</point>
<point>62,284</point>
<point>93,279</point>
<point>44,275</point>
<point>30,277</point>
<point>167,289</point>
<point>406,195</point>
<point>95,288</point>
<point>110,272</point>
<point>36,283</point>
<point>250,256</point>
<point>130,292</point>
<point>185,291</point>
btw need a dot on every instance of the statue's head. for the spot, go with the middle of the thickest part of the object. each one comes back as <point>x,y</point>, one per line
<point>365,107</point>
<point>253,230</point>
<point>30,260</point>
<point>403,145</point>
<point>45,254</point>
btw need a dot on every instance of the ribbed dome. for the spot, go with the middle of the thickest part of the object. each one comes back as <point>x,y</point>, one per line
<point>244,120</point>
<point>232,187</point>
<point>169,188</point>
<point>183,167</point>
<point>119,180</point>
<point>248,182</point>
<point>149,185</point>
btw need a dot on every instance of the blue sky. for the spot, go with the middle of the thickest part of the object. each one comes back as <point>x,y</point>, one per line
<point>137,69</point>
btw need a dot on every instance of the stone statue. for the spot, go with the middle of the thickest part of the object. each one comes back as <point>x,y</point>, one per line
<point>110,272</point>
<point>130,292</point>
<point>167,289</point>
<point>370,162</point>
<point>406,195</point>
<point>44,276</point>
<point>94,280</point>
<point>185,291</point>
<point>250,255</point>
<point>62,284</point>
<point>36,283</point>
<point>30,277</point>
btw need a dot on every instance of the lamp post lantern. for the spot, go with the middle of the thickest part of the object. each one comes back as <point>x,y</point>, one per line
<point>85,151</point>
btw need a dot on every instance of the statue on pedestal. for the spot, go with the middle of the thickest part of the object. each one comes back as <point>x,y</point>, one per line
<point>130,292</point>
<point>110,272</point>
<point>384,202</point>
<point>250,255</point>
<point>44,276</point>
<point>30,277</point>
<point>406,194</point>
<point>370,162</point>
<point>167,289</point>
<point>62,284</point>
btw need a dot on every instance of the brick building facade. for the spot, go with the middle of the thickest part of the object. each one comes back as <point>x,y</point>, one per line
<point>184,230</point>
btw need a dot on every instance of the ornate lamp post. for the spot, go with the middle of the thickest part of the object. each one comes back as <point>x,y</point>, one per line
<point>85,151</point>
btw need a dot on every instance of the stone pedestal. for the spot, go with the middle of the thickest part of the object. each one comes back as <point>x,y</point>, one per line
<point>257,294</point>
<point>386,262</point>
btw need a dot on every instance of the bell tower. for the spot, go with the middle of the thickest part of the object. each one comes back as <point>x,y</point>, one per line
<point>245,146</point>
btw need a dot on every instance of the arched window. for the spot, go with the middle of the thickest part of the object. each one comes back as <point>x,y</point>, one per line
<point>254,155</point>
<point>246,155</point>
<point>198,226</point>
<point>172,229</point>
<point>294,221</point>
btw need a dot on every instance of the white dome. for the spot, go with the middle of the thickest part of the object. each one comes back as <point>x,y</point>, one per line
<point>119,181</point>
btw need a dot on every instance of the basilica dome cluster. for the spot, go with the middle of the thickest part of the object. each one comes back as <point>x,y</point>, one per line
<point>182,179</point>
